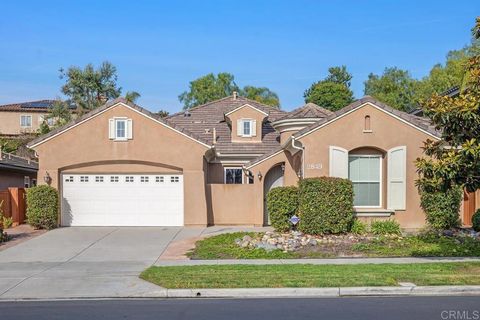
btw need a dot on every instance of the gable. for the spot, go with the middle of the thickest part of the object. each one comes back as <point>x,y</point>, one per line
<point>100,111</point>
<point>245,106</point>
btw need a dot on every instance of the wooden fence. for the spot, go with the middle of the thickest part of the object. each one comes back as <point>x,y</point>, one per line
<point>14,204</point>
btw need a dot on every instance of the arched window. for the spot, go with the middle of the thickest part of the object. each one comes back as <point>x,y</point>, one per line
<point>367,127</point>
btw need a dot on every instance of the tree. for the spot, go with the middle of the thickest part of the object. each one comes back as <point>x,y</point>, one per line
<point>208,88</point>
<point>333,92</point>
<point>262,95</point>
<point>58,115</point>
<point>161,113</point>
<point>455,159</point>
<point>89,88</point>
<point>132,96</point>
<point>394,87</point>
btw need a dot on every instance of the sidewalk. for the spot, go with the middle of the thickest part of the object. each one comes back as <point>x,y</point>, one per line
<point>337,261</point>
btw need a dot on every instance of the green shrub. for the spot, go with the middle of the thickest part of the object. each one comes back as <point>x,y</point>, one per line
<point>42,207</point>
<point>442,208</point>
<point>358,227</point>
<point>476,220</point>
<point>385,227</point>
<point>282,203</point>
<point>325,205</point>
<point>7,222</point>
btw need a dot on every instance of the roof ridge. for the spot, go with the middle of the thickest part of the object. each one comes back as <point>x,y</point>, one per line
<point>198,107</point>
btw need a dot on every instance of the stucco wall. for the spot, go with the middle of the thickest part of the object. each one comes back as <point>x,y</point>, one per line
<point>232,204</point>
<point>387,132</point>
<point>247,113</point>
<point>154,148</point>
<point>10,122</point>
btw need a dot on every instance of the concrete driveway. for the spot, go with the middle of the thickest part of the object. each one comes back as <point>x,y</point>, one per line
<point>85,262</point>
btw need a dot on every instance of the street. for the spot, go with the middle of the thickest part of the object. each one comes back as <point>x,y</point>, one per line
<point>392,308</point>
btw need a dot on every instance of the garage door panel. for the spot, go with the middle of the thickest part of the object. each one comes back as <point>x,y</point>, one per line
<point>122,200</point>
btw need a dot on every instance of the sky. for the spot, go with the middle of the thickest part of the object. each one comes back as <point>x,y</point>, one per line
<point>158,47</point>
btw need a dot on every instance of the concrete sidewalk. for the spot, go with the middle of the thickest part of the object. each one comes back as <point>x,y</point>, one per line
<point>336,261</point>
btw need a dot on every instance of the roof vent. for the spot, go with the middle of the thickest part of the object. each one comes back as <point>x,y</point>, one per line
<point>235,94</point>
<point>187,113</point>
<point>207,130</point>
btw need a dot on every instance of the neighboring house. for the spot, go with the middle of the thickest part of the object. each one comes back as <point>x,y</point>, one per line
<point>21,118</point>
<point>452,93</point>
<point>214,164</point>
<point>17,172</point>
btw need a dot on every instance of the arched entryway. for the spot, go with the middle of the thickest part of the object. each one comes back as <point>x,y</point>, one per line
<point>273,178</point>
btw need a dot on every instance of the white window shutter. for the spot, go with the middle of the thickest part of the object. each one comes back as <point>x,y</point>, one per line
<point>396,178</point>
<point>239,127</point>
<point>338,162</point>
<point>129,129</point>
<point>253,123</point>
<point>111,128</point>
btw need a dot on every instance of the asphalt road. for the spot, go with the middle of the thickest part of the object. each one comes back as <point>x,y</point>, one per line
<point>405,308</point>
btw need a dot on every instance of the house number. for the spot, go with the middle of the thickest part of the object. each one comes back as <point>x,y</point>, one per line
<point>314,166</point>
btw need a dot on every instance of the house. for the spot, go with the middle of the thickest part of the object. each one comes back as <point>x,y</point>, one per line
<point>120,165</point>
<point>24,117</point>
<point>17,172</point>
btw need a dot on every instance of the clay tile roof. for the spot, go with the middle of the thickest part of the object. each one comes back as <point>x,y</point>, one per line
<point>30,106</point>
<point>10,161</point>
<point>309,110</point>
<point>417,121</point>
<point>201,121</point>
<point>108,105</point>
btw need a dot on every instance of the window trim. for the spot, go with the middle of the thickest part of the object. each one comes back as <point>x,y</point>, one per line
<point>225,174</point>
<point>380,178</point>
<point>26,181</point>
<point>27,116</point>
<point>125,121</point>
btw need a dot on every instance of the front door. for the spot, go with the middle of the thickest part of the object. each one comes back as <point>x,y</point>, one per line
<point>274,178</point>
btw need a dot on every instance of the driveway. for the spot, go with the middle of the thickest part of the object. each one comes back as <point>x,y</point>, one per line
<point>85,262</point>
<point>90,262</point>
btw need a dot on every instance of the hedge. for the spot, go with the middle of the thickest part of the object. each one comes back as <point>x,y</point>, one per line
<point>42,207</point>
<point>442,208</point>
<point>325,205</point>
<point>282,204</point>
<point>476,221</point>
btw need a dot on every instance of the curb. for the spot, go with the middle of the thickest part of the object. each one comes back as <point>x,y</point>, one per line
<point>245,293</point>
<point>324,292</point>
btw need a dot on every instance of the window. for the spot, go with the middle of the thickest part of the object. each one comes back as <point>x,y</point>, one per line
<point>121,129</point>
<point>83,178</point>
<point>129,179</point>
<point>98,178</point>
<point>233,175</point>
<point>365,173</point>
<point>143,179</point>
<point>26,121</point>
<point>158,179</point>
<point>247,128</point>
<point>174,179</point>
<point>114,179</point>
<point>34,182</point>
<point>69,179</point>
<point>26,181</point>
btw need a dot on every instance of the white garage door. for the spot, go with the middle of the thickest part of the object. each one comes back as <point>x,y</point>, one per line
<point>122,200</point>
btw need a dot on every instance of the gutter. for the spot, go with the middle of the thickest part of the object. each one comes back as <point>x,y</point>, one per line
<point>303,155</point>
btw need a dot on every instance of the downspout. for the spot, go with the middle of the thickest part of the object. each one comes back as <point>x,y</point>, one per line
<point>303,156</point>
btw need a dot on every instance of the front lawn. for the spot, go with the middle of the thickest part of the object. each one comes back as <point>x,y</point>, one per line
<point>429,245</point>
<point>305,275</point>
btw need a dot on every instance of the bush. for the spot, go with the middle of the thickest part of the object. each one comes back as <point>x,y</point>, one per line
<point>42,207</point>
<point>7,222</point>
<point>442,208</point>
<point>358,227</point>
<point>476,220</point>
<point>385,227</point>
<point>325,205</point>
<point>282,203</point>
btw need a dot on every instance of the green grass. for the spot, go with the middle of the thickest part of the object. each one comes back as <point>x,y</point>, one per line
<point>304,275</point>
<point>223,247</point>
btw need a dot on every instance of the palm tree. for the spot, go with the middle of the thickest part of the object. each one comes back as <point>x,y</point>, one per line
<point>132,96</point>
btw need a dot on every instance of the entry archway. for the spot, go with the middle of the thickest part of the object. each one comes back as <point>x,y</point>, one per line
<point>273,178</point>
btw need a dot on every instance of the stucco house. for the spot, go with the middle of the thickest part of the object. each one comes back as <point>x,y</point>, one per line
<point>121,165</point>
<point>24,117</point>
